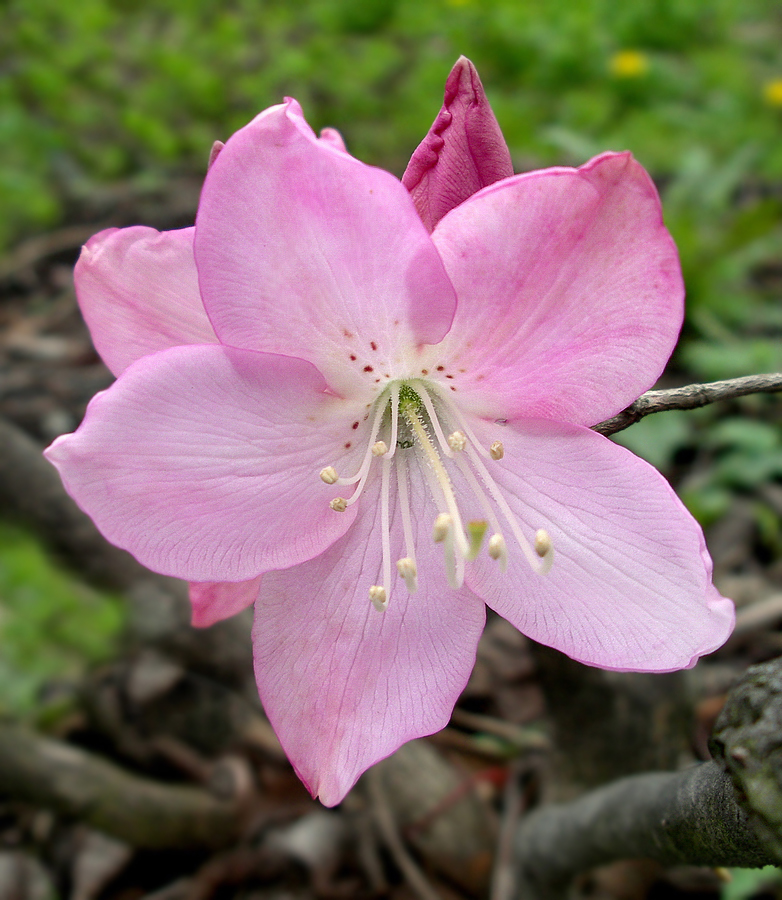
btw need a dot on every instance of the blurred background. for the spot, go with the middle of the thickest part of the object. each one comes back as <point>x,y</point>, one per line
<point>108,110</point>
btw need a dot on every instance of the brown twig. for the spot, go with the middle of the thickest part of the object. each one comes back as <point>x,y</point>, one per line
<point>503,882</point>
<point>691,396</point>
<point>386,825</point>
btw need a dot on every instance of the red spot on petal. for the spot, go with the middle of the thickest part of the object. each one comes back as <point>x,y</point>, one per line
<point>373,345</point>
<point>449,376</point>
<point>348,445</point>
<point>348,334</point>
<point>424,371</point>
<point>368,369</point>
<point>354,426</point>
<point>441,368</point>
<point>353,357</point>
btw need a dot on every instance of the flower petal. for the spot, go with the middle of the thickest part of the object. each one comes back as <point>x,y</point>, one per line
<point>213,601</point>
<point>138,293</point>
<point>463,152</point>
<point>343,685</point>
<point>303,250</point>
<point>630,586</point>
<point>203,462</point>
<point>570,292</point>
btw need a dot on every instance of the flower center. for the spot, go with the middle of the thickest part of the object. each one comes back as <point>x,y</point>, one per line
<point>414,414</point>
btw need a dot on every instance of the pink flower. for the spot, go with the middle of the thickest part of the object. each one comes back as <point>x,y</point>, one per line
<point>323,405</point>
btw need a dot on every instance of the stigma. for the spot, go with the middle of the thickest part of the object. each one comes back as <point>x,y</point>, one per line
<point>417,417</point>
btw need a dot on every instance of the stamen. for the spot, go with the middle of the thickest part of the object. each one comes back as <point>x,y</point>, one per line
<point>394,420</point>
<point>457,441</point>
<point>379,597</point>
<point>474,451</point>
<point>363,471</point>
<point>545,550</point>
<point>409,571</point>
<point>404,508</point>
<point>455,413</point>
<point>443,481</point>
<point>432,413</point>
<point>329,475</point>
<point>379,448</point>
<point>498,550</point>
<point>339,504</point>
<point>385,525</point>
<point>481,496</point>
<point>542,542</point>
<point>454,562</point>
<point>442,525</point>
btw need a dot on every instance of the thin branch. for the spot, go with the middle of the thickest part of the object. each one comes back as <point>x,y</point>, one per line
<point>384,818</point>
<point>691,396</point>
<point>137,810</point>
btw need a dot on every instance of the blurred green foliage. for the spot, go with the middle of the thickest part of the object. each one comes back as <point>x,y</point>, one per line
<point>110,90</point>
<point>746,884</point>
<point>51,627</point>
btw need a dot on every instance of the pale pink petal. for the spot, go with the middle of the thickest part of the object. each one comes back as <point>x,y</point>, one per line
<point>217,146</point>
<point>332,137</point>
<point>138,293</point>
<point>204,462</point>
<point>630,586</point>
<point>303,250</point>
<point>463,152</point>
<point>344,685</point>
<point>570,292</point>
<point>213,601</point>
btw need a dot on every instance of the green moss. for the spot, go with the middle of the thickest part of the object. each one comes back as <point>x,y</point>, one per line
<point>51,626</point>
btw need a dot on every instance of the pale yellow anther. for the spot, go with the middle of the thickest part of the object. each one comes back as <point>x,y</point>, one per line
<point>457,441</point>
<point>339,504</point>
<point>497,451</point>
<point>409,571</point>
<point>379,448</point>
<point>329,475</point>
<point>379,598</point>
<point>496,546</point>
<point>442,525</point>
<point>543,545</point>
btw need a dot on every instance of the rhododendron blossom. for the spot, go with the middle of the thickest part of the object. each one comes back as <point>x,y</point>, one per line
<point>365,406</point>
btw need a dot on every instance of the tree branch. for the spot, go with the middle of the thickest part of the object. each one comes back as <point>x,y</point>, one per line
<point>137,810</point>
<point>691,396</point>
<point>704,815</point>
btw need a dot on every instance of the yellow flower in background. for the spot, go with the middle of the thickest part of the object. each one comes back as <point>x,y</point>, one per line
<point>629,64</point>
<point>772,92</point>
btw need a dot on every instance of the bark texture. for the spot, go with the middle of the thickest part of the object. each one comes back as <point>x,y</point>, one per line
<point>727,812</point>
<point>140,812</point>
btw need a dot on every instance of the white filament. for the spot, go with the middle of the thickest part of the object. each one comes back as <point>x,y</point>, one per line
<point>448,528</point>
